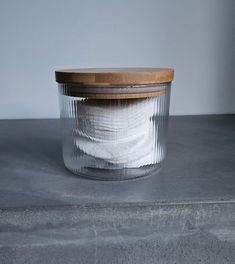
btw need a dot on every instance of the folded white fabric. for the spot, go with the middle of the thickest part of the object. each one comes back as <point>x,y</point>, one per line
<point>119,132</point>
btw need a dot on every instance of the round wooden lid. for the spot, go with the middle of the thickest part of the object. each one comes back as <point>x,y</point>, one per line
<point>114,76</point>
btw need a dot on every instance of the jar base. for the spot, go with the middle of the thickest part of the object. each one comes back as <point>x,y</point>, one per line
<point>117,174</point>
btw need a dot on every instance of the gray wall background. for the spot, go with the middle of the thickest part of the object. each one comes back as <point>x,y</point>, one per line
<point>196,37</point>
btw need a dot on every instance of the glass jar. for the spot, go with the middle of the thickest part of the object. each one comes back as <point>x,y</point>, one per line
<point>114,121</point>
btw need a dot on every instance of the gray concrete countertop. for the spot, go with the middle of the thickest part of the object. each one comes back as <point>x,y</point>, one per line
<point>184,214</point>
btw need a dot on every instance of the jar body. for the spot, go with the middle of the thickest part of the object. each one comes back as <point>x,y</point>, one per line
<point>114,139</point>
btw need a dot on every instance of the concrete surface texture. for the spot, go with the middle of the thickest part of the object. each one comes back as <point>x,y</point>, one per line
<point>183,214</point>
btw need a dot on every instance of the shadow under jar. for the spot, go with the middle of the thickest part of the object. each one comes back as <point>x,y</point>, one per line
<point>114,121</point>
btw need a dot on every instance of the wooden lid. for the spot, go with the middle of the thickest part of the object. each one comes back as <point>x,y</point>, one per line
<point>114,76</point>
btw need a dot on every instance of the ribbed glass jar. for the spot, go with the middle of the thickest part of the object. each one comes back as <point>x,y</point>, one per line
<point>110,137</point>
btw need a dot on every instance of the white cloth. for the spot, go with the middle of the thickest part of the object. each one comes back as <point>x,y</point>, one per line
<point>120,132</point>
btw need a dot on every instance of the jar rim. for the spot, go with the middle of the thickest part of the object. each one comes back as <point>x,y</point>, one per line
<point>114,92</point>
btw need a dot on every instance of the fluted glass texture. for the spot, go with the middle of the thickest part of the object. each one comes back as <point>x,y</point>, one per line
<point>114,138</point>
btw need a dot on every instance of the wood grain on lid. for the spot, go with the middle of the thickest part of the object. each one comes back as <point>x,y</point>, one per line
<point>114,76</point>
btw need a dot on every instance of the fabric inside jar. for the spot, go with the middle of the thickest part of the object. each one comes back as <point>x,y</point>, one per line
<point>119,132</point>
